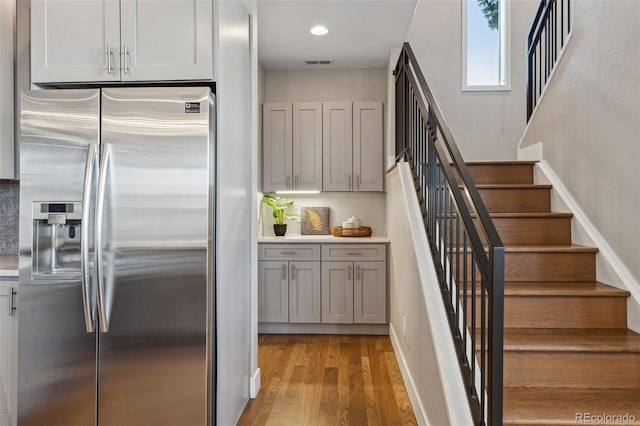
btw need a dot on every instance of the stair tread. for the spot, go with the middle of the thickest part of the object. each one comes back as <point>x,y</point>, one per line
<point>513,186</point>
<point>500,163</point>
<point>560,288</point>
<point>543,248</point>
<point>521,215</point>
<point>558,406</point>
<point>571,340</point>
<point>549,248</point>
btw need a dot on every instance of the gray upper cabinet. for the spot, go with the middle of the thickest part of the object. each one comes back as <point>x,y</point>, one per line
<point>368,165</point>
<point>121,40</point>
<point>7,144</point>
<point>292,146</point>
<point>353,146</point>
<point>277,146</point>
<point>307,146</point>
<point>337,146</point>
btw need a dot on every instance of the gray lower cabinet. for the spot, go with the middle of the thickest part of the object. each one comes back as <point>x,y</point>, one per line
<point>354,292</point>
<point>370,293</point>
<point>304,292</point>
<point>273,291</point>
<point>337,292</point>
<point>289,292</point>
<point>322,283</point>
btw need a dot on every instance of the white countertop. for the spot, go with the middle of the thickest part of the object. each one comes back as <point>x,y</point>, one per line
<point>287,239</point>
<point>8,266</point>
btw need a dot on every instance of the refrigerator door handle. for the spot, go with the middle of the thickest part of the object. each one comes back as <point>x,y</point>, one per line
<point>84,236</point>
<point>102,186</point>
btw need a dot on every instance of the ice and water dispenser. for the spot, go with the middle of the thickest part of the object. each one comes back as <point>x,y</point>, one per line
<point>56,240</point>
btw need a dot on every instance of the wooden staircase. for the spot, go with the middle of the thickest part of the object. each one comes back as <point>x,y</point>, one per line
<point>567,350</point>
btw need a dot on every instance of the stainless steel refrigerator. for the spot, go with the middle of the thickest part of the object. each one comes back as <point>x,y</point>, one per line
<point>116,299</point>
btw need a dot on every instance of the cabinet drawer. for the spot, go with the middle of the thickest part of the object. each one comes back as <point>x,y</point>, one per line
<point>346,252</point>
<point>277,251</point>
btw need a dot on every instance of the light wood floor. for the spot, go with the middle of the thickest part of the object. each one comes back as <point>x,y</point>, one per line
<point>328,380</point>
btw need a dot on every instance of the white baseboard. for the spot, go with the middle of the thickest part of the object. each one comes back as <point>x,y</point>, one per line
<point>409,384</point>
<point>254,384</point>
<point>609,267</point>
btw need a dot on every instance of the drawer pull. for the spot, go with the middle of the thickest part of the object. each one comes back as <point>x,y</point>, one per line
<point>290,253</point>
<point>284,271</point>
<point>354,253</point>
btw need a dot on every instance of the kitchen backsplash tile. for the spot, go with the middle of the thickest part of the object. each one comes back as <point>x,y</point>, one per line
<point>9,217</point>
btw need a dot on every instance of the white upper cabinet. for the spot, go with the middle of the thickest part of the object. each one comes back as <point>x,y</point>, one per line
<point>337,145</point>
<point>7,145</point>
<point>121,40</point>
<point>307,146</point>
<point>75,40</point>
<point>277,147</point>
<point>368,165</point>
<point>166,40</point>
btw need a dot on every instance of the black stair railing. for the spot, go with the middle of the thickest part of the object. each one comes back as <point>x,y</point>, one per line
<point>548,35</point>
<point>466,248</point>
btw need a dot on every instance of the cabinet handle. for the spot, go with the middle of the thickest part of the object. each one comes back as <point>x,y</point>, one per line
<point>288,181</point>
<point>125,59</point>
<point>290,253</point>
<point>354,253</point>
<point>109,54</point>
<point>349,181</point>
<point>284,271</point>
<point>12,301</point>
<point>295,181</point>
<point>349,272</point>
<point>357,181</point>
<point>293,272</point>
<point>357,272</point>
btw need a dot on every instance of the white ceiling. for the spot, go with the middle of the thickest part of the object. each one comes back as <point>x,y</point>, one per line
<point>361,32</point>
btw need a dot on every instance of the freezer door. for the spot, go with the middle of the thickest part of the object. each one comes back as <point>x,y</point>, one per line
<point>56,348</point>
<point>155,351</point>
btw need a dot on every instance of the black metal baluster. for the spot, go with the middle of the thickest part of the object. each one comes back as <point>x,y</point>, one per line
<point>483,351</point>
<point>465,300</point>
<point>473,320</point>
<point>451,286</point>
<point>458,272</point>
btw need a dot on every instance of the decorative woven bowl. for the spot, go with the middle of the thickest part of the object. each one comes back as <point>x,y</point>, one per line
<point>363,231</point>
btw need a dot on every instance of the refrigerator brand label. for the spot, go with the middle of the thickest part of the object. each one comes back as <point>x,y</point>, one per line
<point>192,107</point>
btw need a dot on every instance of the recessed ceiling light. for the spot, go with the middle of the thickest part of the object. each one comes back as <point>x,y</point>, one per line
<point>319,30</point>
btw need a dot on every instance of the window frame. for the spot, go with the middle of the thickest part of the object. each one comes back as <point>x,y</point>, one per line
<point>505,50</point>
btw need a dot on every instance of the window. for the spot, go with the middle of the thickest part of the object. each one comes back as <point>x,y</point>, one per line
<point>485,45</point>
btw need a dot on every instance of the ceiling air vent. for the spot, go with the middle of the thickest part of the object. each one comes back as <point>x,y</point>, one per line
<point>318,61</point>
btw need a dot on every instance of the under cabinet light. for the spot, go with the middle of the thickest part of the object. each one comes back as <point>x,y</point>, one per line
<point>298,192</point>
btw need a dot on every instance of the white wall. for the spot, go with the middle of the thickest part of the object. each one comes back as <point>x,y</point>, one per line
<point>361,84</point>
<point>369,207</point>
<point>588,122</point>
<point>486,125</point>
<point>424,348</point>
<point>236,191</point>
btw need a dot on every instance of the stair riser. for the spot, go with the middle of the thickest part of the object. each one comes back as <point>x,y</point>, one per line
<point>517,200</point>
<point>501,174</point>
<point>534,230</point>
<point>561,312</point>
<point>521,231</point>
<point>542,266</point>
<point>572,369</point>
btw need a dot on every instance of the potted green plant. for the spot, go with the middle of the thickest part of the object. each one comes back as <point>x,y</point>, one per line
<point>279,207</point>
